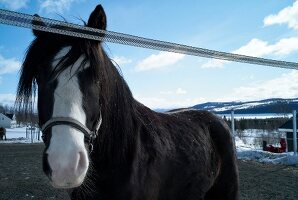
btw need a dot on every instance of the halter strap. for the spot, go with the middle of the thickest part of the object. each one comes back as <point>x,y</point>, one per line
<point>89,135</point>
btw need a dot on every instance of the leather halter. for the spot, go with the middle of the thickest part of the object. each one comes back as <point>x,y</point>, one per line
<point>89,135</point>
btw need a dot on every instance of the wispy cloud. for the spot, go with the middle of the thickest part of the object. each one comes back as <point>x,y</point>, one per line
<point>260,48</point>
<point>285,86</point>
<point>178,91</point>
<point>160,60</point>
<point>288,15</point>
<point>214,63</point>
<point>14,4</point>
<point>121,60</point>
<point>58,6</point>
<point>9,65</point>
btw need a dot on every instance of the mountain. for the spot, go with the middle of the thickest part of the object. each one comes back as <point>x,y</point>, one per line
<point>275,105</point>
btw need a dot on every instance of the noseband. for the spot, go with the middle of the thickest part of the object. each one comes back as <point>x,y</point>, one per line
<point>89,135</point>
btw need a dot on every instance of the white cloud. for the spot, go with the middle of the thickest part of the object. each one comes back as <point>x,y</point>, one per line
<point>121,60</point>
<point>50,6</point>
<point>7,99</point>
<point>180,91</point>
<point>166,92</point>
<point>260,48</point>
<point>9,65</point>
<point>255,47</point>
<point>288,15</point>
<point>160,60</point>
<point>167,103</point>
<point>14,4</point>
<point>214,63</point>
<point>285,86</point>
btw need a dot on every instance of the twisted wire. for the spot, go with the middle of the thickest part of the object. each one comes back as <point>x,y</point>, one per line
<point>74,30</point>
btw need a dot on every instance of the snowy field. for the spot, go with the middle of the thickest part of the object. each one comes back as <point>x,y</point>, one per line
<point>245,149</point>
<point>19,135</point>
<point>247,152</point>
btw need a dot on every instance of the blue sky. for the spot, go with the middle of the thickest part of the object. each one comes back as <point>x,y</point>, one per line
<point>165,80</point>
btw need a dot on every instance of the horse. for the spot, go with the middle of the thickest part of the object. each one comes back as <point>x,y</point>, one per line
<point>101,143</point>
<point>2,133</point>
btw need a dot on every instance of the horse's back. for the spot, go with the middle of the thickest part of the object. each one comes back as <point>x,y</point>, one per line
<point>226,182</point>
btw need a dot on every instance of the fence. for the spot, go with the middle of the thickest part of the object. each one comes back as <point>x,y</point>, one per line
<point>255,133</point>
<point>32,134</point>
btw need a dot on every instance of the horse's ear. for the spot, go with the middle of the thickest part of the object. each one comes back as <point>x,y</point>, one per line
<point>98,18</point>
<point>37,21</point>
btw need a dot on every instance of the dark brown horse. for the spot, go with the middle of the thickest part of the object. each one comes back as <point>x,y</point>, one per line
<point>2,133</point>
<point>100,143</point>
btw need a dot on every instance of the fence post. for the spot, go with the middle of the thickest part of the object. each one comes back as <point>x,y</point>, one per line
<point>233,126</point>
<point>294,132</point>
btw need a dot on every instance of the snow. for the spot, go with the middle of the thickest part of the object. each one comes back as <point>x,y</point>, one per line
<point>246,152</point>
<point>238,107</point>
<point>18,135</point>
<point>245,149</point>
<point>257,116</point>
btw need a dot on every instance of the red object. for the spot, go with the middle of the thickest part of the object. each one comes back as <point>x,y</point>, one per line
<point>281,149</point>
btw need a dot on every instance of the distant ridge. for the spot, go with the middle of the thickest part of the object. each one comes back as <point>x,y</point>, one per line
<point>274,105</point>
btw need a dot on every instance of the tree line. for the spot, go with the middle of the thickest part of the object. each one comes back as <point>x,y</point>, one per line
<point>268,124</point>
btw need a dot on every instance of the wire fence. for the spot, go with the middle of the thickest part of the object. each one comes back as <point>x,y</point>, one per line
<point>74,30</point>
<point>264,133</point>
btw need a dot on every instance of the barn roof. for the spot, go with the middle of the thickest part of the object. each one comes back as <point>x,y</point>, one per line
<point>10,116</point>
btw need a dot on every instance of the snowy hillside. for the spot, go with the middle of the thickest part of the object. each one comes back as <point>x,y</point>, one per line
<point>251,107</point>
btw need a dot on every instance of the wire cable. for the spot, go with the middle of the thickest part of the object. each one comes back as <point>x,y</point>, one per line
<point>74,30</point>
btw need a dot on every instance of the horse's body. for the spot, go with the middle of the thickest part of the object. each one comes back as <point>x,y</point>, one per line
<point>2,133</point>
<point>138,154</point>
<point>180,155</point>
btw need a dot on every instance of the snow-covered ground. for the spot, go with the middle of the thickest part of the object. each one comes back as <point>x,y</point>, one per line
<point>246,152</point>
<point>257,116</point>
<point>19,135</point>
<point>245,149</point>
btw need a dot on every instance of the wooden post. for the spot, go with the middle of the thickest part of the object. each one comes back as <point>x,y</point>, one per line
<point>233,126</point>
<point>294,132</point>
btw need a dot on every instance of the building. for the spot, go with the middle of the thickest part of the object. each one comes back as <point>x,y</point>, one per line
<point>287,128</point>
<point>7,120</point>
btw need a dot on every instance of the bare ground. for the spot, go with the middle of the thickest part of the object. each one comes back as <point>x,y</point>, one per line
<point>21,177</point>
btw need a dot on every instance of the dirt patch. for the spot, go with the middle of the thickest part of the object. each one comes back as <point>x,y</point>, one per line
<point>267,181</point>
<point>21,177</point>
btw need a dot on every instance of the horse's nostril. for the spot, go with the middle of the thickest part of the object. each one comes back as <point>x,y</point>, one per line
<point>45,164</point>
<point>82,162</point>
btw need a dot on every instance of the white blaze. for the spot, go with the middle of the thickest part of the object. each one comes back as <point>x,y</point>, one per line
<point>67,155</point>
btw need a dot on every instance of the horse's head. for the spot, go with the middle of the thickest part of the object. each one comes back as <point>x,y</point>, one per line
<point>68,98</point>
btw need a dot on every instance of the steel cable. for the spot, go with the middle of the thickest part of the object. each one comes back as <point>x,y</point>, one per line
<point>74,30</point>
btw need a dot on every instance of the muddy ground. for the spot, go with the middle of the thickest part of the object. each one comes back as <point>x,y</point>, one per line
<point>21,177</point>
